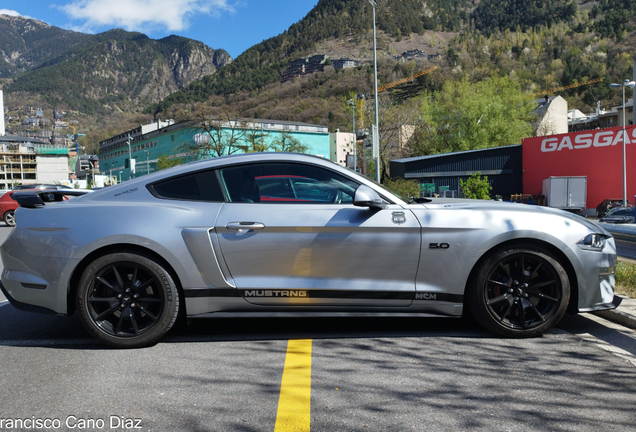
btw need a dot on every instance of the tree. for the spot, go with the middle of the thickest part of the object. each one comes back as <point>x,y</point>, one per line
<point>398,126</point>
<point>254,142</point>
<point>165,161</point>
<point>286,142</point>
<point>466,116</point>
<point>222,134</point>
<point>475,187</point>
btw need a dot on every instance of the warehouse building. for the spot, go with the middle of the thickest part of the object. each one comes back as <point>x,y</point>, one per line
<point>440,174</point>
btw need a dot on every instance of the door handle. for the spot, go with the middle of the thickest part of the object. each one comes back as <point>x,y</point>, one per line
<point>244,227</point>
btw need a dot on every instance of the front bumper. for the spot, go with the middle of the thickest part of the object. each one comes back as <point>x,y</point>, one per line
<point>596,277</point>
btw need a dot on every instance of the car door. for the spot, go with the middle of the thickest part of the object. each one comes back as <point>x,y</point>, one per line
<point>308,244</point>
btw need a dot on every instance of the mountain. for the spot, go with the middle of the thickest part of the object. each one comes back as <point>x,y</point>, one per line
<point>111,71</point>
<point>27,43</point>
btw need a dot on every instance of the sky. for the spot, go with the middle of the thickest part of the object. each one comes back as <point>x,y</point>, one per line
<point>233,25</point>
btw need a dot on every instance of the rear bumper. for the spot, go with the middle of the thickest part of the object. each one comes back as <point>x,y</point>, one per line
<point>24,306</point>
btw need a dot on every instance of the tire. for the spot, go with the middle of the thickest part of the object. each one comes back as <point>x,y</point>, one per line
<point>127,300</point>
<point>9,218</point>
<point>520,291</point>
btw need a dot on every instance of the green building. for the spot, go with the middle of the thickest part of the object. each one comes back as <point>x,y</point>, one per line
<point>186,140</point>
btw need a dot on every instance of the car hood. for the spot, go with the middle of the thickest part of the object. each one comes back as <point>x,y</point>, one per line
<point>486,205</point>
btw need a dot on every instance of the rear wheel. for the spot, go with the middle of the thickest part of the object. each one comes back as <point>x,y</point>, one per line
<point>519,292</point>
<point>127,300</point>
<point>9,218</point>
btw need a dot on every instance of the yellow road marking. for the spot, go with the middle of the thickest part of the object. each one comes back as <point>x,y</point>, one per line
<point>294,403</point>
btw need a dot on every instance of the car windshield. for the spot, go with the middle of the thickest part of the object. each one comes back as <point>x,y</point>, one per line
<point>621,212</point>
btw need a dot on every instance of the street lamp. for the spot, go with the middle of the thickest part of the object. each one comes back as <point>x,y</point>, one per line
<point>630,84</point>
<point>110,177</point>
<point>352,104</point>
<point>147,161</point>
<point>375,137</point>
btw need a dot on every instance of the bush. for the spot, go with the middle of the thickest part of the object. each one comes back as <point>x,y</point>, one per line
<point>475,187</point>
<point>626,279</point>
<point>404,188</point>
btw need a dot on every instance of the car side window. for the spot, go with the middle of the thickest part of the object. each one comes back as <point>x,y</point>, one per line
<point>280,183</point>
<point>199,186</point>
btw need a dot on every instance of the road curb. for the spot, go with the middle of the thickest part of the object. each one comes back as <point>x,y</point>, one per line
<point>624,314</point>
<point>618,317</point>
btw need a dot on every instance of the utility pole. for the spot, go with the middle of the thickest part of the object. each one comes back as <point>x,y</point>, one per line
<point>376,128</point>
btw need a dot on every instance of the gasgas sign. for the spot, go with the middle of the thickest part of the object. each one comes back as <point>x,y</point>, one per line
<point>596,154</point>
<point>583,140</point>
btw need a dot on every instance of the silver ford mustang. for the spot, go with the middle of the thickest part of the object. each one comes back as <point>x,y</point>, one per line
<point>295,235</point>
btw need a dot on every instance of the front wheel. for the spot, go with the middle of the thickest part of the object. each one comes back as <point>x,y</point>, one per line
<point>127,300</point>
<point>9,218</point>
<point>519,292</point>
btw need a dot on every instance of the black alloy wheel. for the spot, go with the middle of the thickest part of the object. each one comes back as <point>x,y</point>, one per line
<point>127,300</point>
<point>519,292</point>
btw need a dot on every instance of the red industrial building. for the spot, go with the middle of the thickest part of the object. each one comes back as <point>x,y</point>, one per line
<point>596,154</point>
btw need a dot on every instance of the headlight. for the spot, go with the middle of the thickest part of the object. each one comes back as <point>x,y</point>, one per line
<point>593,242</point>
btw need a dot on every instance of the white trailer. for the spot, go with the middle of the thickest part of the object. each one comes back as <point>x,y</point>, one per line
<point>566,193</point>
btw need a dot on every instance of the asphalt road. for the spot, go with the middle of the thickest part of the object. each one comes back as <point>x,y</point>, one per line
<point>383,374</point>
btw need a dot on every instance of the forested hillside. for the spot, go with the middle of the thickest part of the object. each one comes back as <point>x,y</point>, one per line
<point>397,19</point>
<point>263,63</point>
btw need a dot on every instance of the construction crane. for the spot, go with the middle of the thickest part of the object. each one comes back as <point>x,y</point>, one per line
<point>546,92</point>
<point>403,80</point>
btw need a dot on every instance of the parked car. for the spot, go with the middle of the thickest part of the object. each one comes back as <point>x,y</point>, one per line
<point>199,240</point>
<point>608,204</point>
<point>40,186</point>
<point>299,189</point>
<point>619,215</point>
<point>8,203</point>
<point>7,208</point>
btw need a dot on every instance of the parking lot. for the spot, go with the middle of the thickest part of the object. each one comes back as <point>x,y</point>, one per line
<point>365,374</point>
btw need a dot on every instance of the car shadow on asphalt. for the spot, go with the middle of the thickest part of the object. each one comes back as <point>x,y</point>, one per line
<point>586,326</point>
<point>18,328</point>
